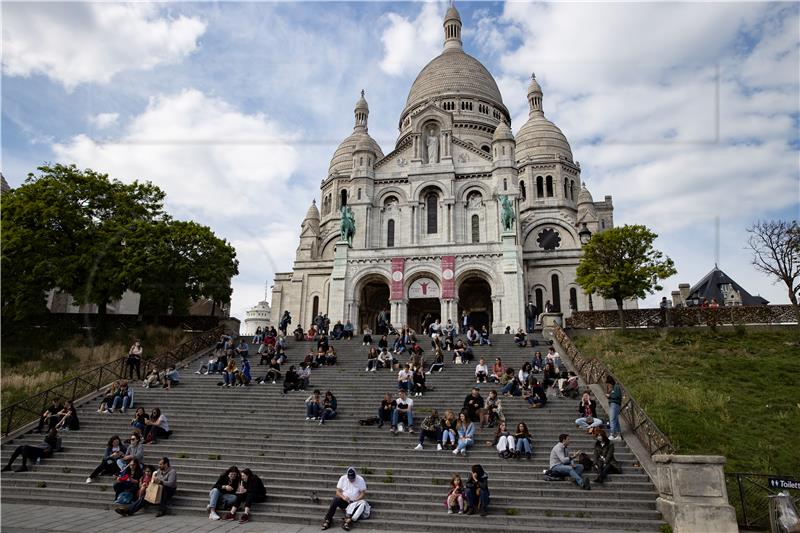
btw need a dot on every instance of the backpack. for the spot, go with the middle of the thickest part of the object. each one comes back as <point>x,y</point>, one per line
<point>371,421</point>
<point>124,498</point>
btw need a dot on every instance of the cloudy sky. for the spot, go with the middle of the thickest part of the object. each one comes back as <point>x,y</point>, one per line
<point>684,112</point>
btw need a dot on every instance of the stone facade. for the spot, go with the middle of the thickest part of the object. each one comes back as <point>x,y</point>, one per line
<point>429,238</point>
<point>258,316</point>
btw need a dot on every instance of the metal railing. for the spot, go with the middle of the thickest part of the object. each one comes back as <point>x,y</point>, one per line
<point>749,495</point>
<point>592,370</point>
<point>25,411</point>
<point>684,316</point>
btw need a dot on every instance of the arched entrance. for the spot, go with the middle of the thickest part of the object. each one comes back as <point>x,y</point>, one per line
<point>475,297</point>
<point>373,298</point>
<point>424,305</point>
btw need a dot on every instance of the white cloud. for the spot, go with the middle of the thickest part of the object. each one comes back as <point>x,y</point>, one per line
<point>75,43</point>
<point>410,44</point>
<point>103,120</point>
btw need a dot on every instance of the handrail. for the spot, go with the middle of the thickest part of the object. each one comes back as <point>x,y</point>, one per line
<point>29,409</point>
<point>684,316</point>
<point>595,371</point>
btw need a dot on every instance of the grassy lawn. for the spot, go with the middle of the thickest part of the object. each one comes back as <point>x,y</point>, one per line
<point>36,359</point>
<point>733,393</point>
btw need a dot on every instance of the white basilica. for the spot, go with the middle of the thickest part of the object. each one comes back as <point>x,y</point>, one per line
<point>430,236</point>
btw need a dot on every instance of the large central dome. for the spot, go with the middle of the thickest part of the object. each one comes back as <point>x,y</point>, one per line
<point>454,72</point>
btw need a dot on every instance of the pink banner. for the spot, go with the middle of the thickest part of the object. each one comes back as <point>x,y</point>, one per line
<point>398,267</point>
<point>448,277</point>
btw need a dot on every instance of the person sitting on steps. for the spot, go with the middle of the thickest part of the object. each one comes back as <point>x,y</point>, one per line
<point>474,404</point>
<point>351,491</point>
<point>372,359</point>
<point>68,418</point>
<point>225,489</point>
<point>314,405</point>
<point>466,434</point>
<point>329,407</point>
<point>473,337</point>
<point>449,434</point>
<point>478,491</point>
<point>498,371</point>
<point>524,441</point>
<point>519,338</point>
<point>431,428</point>
<point>503,442</point>
<point>484,337</point>
<point>51,415</point>
<point>36,452</point>
<point>455,498</point>
<point>562,463</point>
<point>273,372</point>
<point>139,419</point>
<point>587,409</point>
<point>113,461</point>
<point>291,381</point>
<point>124,398</point>
<point>366,339</point>
<point>481,371</point>
<point>250,490</point>
<point>386,409</point>
<point>418,379</point>
<point>536,362</point>
<point>156,427</point>
<point>438,361</point>
<point>347,332</point>
<point>493,410</point>
<point>604,459</point>
<point>404,410</point>
<point>167,477</point>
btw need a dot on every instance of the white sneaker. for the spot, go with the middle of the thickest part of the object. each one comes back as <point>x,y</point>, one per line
<point>89,480</point>
<point>198,372</point>
<point>428,373</point>
<point>308,418</point>
<point>477,381</point>
<point>455,452</point>
<point>273,383</point>
<point>418,447</point>
<point>373,369</point>
<point>366,370</point>
<point>449,511</point>
<point>438,447</point>
<point>122,410</point>
<point>213,515</point>
<point>463,451</point>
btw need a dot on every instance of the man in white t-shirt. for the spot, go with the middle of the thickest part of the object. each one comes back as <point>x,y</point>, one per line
<point>351,488</point>
<point>403,411</point>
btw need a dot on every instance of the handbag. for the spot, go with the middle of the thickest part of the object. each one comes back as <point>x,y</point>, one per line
<point>153,493</point>
<point>459,360</point>
<point>124,498</point>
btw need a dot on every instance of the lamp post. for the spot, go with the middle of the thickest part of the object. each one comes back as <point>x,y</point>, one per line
<point>585,235</point>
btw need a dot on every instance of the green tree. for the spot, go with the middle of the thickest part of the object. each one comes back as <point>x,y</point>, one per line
<point>621,263</point>
<point>95,238</point>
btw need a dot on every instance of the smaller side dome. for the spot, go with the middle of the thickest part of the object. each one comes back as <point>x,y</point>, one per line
<point>502,133</point>
<point>452,14</point>
<point>362,103</point>
<point>313,212</point>
<point>584,196</point>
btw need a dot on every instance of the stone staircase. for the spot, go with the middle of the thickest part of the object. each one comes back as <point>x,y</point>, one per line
<point>260,428</point>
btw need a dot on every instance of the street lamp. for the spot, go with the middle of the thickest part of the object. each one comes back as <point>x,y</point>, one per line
<point>585,235</point>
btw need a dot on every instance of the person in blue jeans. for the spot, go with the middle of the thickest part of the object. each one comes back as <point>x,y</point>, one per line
<point>224,489</point>
<point>523,439</point>
<point>314,405</point>
<point>329,406</point>
<point>477,491</point>
<point>403,408</point>
<point>511,388</point>
<point>466,434</point>
<point>614,395</point>
<point>562,465</point>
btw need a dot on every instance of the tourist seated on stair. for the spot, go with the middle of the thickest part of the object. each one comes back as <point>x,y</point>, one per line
<point>311,334</point>
<point>323,344</point>
<point>320,357</point>
<point>258,335</point>
<point>224,489</point>
<point>167,477</point>
<point>108,398</point>
<point>525,374</point>
<point>291,381</point>
<point>372,359</point>
<point>35,452</point>
<point>520,339</point>
<point>314,405</point>
<point>243,350</point>
<point>210,367</point>
<point>266,353</point>
<point>152,378</point>
<point>474,404</point>
<point>477,491</point>
<point>128,482</point>
<point>280,353</point>
<point>157,427</point>
<point>250,490</point>
<point>512,387</point>
<point>51,415</point>
<point>430,428</point>
<point>536,362</point>
<point>338,330</point>
<point>473,337</point>
<point>329,407</point>
<point>351,491</point>
<point>223,340</point>
<point>404,378</point>
<point>112,461</point>
<point>170,377</point>
<point>498,371</point>
<point>481,371</point>
<point>399,346</point>
<point>493,411</point>
<point>366,339</point>
<point>536,395</point>
<point>524,441</point>
<point>244,377</point>
<point>562,463</point>
<point>449,431</point>
<point>68,418</point>
<point>386,409</point>
<point>503,442</point>
<point>484,338</point>
<point>347,332</point>
<point>137,496</point>
<point>466,434</point>
<point>298,333</point>
<point>550,376</point>
<point>386,359</point>
<point>568,387</point>
<point>553,357</point>
<point>438,361</point>
<point>273,372</point>
<point>587,409</point>
<point>135,449</point>
<point>403,411</point>
<point>604,460</point>
<point>304,375</point>
<point>456,502</point>
<point>124,398</point>
<point>229,376</point>
<point>139,419</point>
<point>417,360</point>
<point>418,379</point>
<point>330,356</point>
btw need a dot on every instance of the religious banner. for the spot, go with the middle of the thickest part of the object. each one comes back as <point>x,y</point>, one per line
<point>448,277</point>
<point>423,288</point>
<point>398,266</point>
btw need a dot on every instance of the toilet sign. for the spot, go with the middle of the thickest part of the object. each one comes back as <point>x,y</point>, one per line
<point>783,483</point>
<point>423,288</point>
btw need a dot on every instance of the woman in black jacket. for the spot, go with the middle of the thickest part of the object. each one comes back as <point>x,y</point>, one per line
<point>50,444</point>
<point>478,491</point>
<point>225,488</point>
<point>604,459</point>
<point>291,381</point>
<point>254,492</point>
<point>69,418</point>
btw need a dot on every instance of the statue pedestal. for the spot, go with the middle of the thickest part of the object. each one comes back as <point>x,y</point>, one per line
<point>336,309</point>
<point>511,310</point>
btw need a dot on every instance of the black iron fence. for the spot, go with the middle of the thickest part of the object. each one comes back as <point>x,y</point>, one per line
<point>684,316</point>
<point>749,494</point>
<point>25,411</point>
<point>592,370</point>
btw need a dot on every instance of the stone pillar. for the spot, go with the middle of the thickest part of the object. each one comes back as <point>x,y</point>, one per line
<point>399,312</point>
<point>336,306</point>
<point>498,321</point>
<point>513,285</point>
<point>693,496</point>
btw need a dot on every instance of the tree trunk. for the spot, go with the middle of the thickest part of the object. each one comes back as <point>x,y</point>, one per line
<point>102,308</point>
<point>213,307</point>
<point>620,312</point>
<point>793,299</point>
